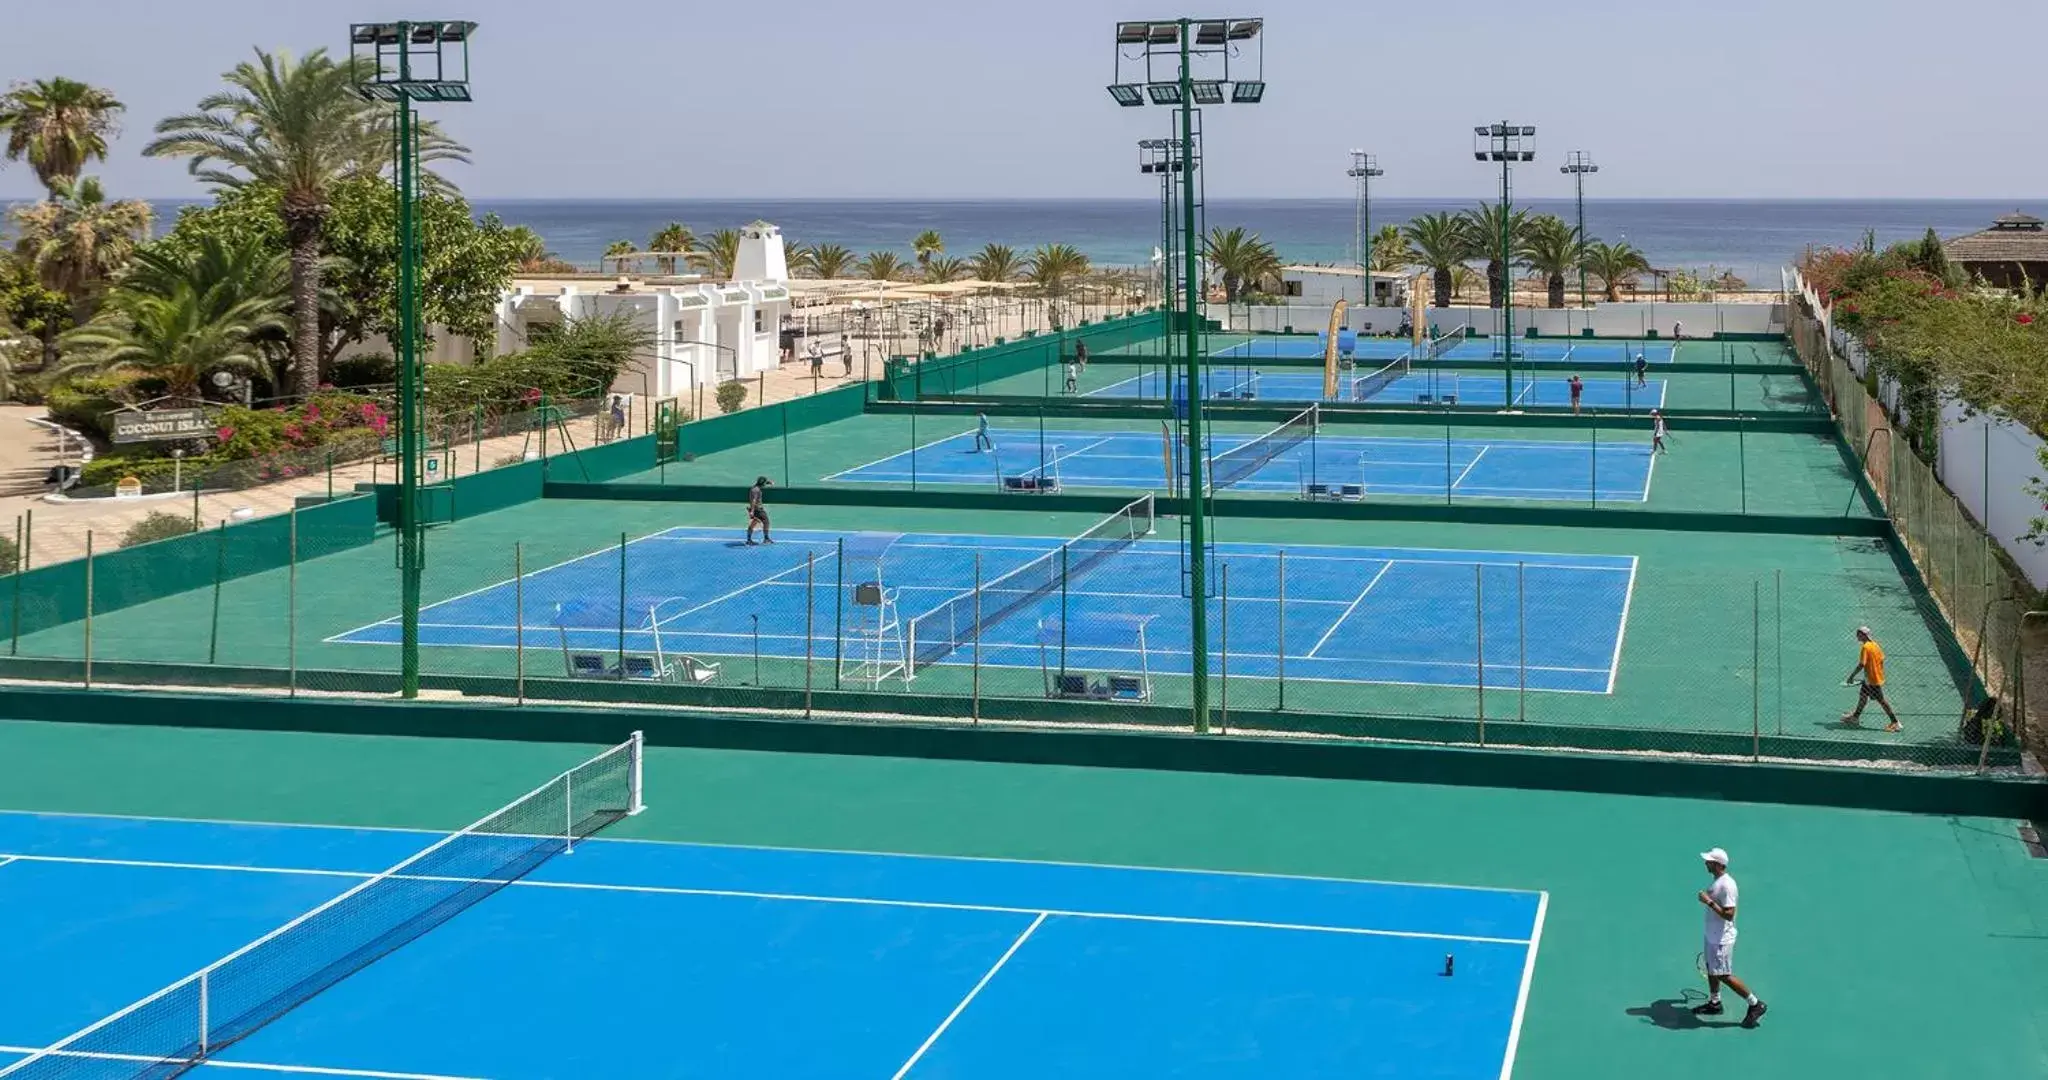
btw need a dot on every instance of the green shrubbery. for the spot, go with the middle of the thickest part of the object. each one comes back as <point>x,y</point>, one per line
<point>157,525</point>
<point>731,395</point>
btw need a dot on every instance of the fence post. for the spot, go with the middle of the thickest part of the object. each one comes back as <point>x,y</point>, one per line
<point>839,611</point>
<point>518,623</point>
<point>1593,463</point>
<point>28,538</point>
<point>291,608</point>
<point>220,561</point>
<point>88,609</point>
<point>1479,652</point>
<point>784,408</point>
<point>757,650</point>
<point>1521,642</point>
<point>622,605</point>
<point>1223,644</point>
<point>1756,671</point>
<point>1778,633</point>
<point>1742,454</point>
<point>1063,613</point>
<point>1447,464</point>
<point>14,617</point>
<point>195,504</point>
<point>1280,650</point>
<point>810,621</point>
<point>974,713</point>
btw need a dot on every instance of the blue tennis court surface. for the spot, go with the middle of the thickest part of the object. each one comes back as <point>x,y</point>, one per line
<point>640,959</point>
<point>1434,387</point>
<point>1584,350</point>
<point>1350,614</point>
<point>1614,470</point>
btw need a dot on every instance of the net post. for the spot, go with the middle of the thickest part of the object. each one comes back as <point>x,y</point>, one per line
<point>88,609</point>
<point>220,560</point>
<point>637,781</point>
<point>1479,652</point>
<point>974,707</point>
<point>205,1009</point>
<point>569,812</point>
<point>810,621</point>
<point>1280,613</point>
<point>291,609</point>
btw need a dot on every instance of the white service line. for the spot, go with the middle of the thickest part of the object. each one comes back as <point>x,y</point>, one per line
<point>1507,1063</point>
<point>1469,466</point>
<point>971,994</point>
<point>749,587</point>
<point>1355,601</point>
<point>301,1070</point>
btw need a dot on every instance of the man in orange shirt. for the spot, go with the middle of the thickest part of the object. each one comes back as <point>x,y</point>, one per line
<point>1870,665</point>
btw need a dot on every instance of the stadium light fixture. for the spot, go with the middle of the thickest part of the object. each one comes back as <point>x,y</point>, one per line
<point>1126,94</point>
<point>1247,92</point>
<point>1164,93</point>
<point>1207,91</point>
<point>1507,144</point>
<point>1577,166</point>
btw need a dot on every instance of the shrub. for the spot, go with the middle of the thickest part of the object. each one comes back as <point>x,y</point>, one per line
<point>367,369</point>
<point>509,459</point>
<point>731,396</point>
<point>156,473</point>
<point>10,555</point>
<point>85,404</point>
<point>157,525</point>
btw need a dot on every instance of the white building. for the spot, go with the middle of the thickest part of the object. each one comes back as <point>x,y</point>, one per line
<point>703,331</point>
<point>1325,285</point>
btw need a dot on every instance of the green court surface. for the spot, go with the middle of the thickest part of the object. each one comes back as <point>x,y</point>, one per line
<point>1888,944</point>
<point>1725,634</point>
<point>1714,466</point>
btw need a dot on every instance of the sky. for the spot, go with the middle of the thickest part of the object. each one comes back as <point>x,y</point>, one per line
<point>973,99</point>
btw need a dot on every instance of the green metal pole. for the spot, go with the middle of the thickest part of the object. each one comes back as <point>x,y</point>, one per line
<point>1580,176</point>
<point>411,536</point>
<point>1507,296</point>
<point>1198,586</point>
<point>220,567</point>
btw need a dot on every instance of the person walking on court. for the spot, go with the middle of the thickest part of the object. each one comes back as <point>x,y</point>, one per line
<point>1718,957</point>
<point>1642,369</point>
<point>815,353</point>
<point>1081,356</point>
<point>1677,335</point>
<point>1578,387</point>
<point>981,439</point>
<point>757,510</point>
<point>1657,432</point>
<point>1073,378</point>
<point>1868,677</point>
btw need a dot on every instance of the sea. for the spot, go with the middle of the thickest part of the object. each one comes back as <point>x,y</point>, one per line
<point>1751,238</point>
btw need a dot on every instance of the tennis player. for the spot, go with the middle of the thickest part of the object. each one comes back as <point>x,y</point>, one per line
<point>1642,370</point>
<point>1081,355</point>
<point>1578,387</point>
<point>1677,334</point>
<point>757,510</point>
<point>1073,377</point>
<point>981,439</point>
<point>1657,432</point>
<point>1719,954</point>
<point>1870,668</point>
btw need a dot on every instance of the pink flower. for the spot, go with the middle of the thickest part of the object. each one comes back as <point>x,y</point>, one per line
<point>2026,318</point>
<point>225,433</point>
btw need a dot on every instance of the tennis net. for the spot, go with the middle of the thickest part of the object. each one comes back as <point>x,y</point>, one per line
<point>1243,460</point>
<point>183,1025</point>
<point>1442,346</point>
<point>935,634</point>
<point>1367,387</point>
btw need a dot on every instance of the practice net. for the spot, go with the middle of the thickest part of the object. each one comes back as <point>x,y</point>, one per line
<point>178,1028</point>
<point>1441,347</point>
<point>935,634</point>
<point>1243,460</point>
<point>1367,387</point>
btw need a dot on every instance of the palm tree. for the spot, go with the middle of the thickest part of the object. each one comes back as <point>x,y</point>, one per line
<point>78,241</point>
<point>722,253</point>
<point>672,237</point>
<point>57,125</point>
<point>1442,244</point>
<point>830,261</point>
<point>927,246</point>
<point>994,262</point>
<point>180,318</point>
<point>1615,265</point>
<point>1484,222</point>
<point>1051,266</point>
<point>1553,250</point>
<point>297,126</point>
<point>1245,261</point>
<point>619,250</point>
<point>941,270</point>
<point>374,153</point>
<point>1464,280</point>
<point>879,266</point>
<point>1390,250</point>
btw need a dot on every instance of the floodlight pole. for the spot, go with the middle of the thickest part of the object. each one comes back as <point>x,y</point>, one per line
<point>1577,166</point>
<point>1198,495</point>
<point>1502,142</point>
<point>1364,168</point>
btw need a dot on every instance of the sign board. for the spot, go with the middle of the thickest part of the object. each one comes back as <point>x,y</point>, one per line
<point>160,425</point>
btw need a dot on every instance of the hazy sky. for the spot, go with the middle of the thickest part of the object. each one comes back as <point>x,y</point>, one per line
<point>967,98</point>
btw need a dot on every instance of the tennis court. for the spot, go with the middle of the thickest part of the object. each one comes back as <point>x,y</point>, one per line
<point>645,959</point>
<point>1109,601</point>
<point>1585,350</point>
<point>1432,387</point>
<point>1286,460</point>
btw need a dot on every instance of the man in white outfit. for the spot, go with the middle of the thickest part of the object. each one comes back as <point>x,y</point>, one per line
<point>1719,954</point>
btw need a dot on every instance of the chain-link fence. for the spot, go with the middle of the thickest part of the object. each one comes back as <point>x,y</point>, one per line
<point>1989,604</point>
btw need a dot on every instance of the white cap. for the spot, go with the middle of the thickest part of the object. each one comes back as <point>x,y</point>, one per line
<point>1864,630</point>
<point>1716,856</point>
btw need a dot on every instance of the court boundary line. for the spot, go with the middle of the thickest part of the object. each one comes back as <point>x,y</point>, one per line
<point>1628,598</point>
<point>1470,465</point>
<point>1507,1064</point>
<point>606,840</point>
<point>1349,608</point>
<point>912,451</point>
<point>971,995</point>
<point>250,1066</point>
<point>805,898</point>
<point>808,564</point>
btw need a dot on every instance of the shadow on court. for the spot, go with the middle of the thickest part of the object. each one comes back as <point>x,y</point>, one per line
<point>1675,1014</point>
